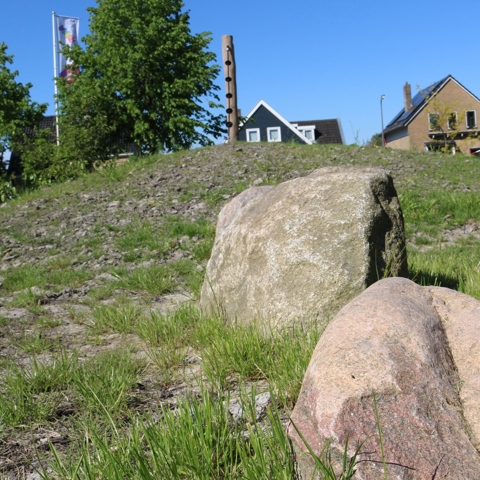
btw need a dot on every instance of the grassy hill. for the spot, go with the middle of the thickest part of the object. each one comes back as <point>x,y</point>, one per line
<point>100,374</point>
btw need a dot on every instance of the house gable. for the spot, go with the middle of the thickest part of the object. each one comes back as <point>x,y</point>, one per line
<point>410,128</point>
<point>264,124</point>
<point>425,96</point>
<point>262,118</point>
<point>404,117</point>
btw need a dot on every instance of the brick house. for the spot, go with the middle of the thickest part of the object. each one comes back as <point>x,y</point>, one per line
<point>442,116</point>
<point>264,124</point>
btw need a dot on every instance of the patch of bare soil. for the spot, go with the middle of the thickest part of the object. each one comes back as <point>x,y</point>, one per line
<point>471,230</point>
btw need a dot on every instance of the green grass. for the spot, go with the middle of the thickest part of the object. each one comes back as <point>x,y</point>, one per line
<point>27,299</point>
<point>103,382</point>
<point>198,439</point>
<point>438,210</point>
<point>428,215</point>
<point>244,353</point>
<point>140,240</point>
<point>195,441</point>
<point>100,385</point>
<point>25,277</point>
<point>203,249</point>
<point>231,354</point>
<point>455,267</point>
<point>32,394</point>
<point>48,322</point>
<point>57,275</point>
<point>169,336</point>
<point>189,275</point>
<point>140,235</point>
<point>103,291</point>
<point>121,317</point>
<point>160,279</point>
<point>153,279</point>
<point>35,343</point>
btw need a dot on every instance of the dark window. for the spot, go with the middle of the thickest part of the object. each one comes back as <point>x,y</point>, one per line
<point>471,119</point>
<point>433,120</point>
<point>452,120</point>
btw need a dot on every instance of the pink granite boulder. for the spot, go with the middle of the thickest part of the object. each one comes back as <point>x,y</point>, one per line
<point>417,350</point>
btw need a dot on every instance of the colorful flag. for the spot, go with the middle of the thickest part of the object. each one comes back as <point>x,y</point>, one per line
<point>67,29</point>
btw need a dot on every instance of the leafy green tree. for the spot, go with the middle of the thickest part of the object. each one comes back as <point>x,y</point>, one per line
<point>144,77</point>
<point>376,140</point>
<point>445,119</point>
<point>90,124</point>
<point>17,111</point>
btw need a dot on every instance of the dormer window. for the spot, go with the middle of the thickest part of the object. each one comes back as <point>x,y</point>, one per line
<point>471,119</point>
<point>308,132</point>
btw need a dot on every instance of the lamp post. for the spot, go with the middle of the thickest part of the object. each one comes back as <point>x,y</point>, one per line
<point>381,115</point>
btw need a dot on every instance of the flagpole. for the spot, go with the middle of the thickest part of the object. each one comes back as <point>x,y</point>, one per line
<point>55,75</point>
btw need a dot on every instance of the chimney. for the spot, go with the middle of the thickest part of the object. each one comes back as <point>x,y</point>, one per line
<point>407,96</point>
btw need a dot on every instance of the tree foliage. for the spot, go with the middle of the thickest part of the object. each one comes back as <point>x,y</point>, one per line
<point>144,77</point>
<point>18,113</point>
<point>376,140</point>
<point>445,118</point>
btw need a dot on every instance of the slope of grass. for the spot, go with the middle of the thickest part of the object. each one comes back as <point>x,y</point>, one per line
<point>100,379</point>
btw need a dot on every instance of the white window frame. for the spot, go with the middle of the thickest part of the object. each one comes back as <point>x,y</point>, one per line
<point>271,129</point>
<point>456,120</point>
<point>474,118</point>
<point>307,128</point>
<point>251,130</point>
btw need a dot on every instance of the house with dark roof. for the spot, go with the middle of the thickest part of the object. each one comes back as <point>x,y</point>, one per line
<point>442,116</point>
<point>264,124</point>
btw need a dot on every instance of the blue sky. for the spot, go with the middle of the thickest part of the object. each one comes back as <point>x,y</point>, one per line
<point>308,59</point>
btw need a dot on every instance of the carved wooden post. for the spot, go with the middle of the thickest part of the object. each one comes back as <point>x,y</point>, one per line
<point>230,87</point>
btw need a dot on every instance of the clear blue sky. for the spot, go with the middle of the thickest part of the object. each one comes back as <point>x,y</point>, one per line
<point>309,59</point>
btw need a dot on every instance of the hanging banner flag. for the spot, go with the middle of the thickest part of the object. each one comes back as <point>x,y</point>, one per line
<point>67,29</point>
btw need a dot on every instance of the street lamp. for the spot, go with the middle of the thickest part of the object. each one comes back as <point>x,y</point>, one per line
<point>381,114</point>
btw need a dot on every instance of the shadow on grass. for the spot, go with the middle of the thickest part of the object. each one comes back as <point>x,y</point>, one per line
<point>424,278</point>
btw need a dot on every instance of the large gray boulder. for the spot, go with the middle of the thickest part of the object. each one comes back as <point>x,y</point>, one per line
<point>417,350</point>
<point>301,250</point>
